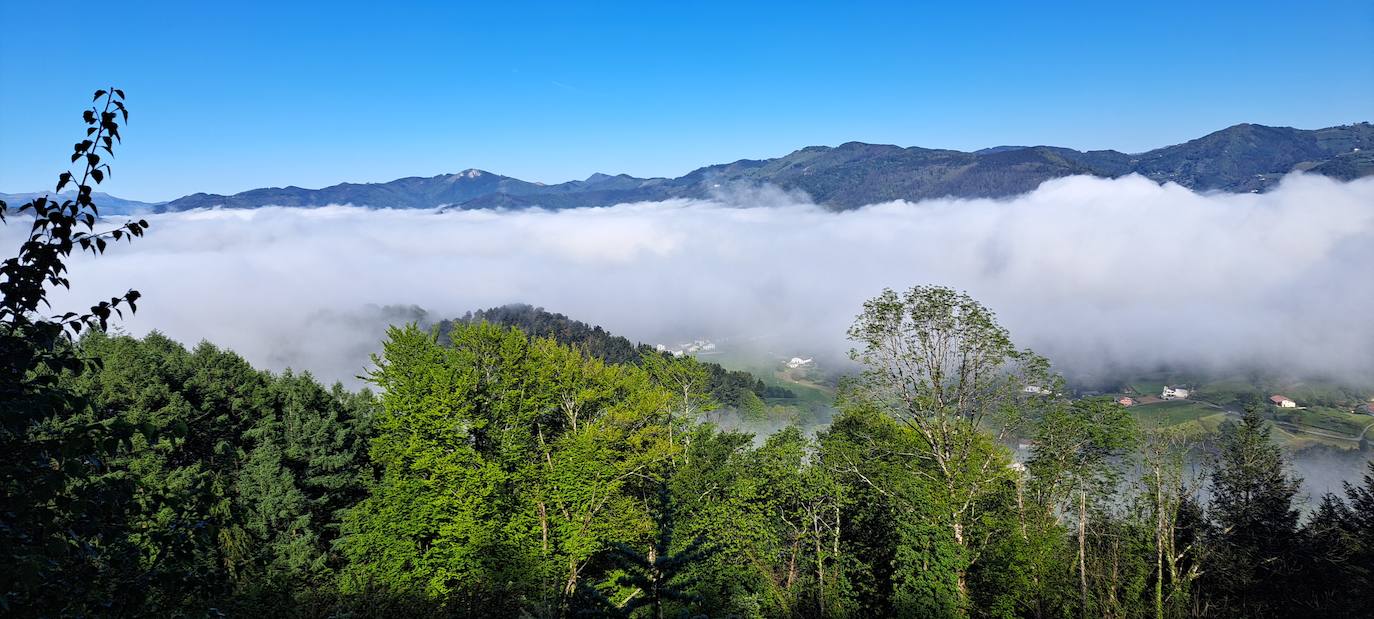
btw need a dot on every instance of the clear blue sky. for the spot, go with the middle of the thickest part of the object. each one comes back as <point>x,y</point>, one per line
<point>227,96</point>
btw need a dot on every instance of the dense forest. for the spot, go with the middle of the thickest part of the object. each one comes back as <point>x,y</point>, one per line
<point>738,389</point>
<point>495,472</point>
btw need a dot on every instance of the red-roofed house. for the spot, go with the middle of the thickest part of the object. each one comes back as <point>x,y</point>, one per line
<point>1124,401</point>
<point>1282,401</point>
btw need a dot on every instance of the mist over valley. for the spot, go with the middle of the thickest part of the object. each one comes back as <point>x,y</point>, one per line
<point>1007,311</point>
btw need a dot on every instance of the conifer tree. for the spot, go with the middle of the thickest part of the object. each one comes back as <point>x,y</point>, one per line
<point>1257,522</point>
<point>654,576</point>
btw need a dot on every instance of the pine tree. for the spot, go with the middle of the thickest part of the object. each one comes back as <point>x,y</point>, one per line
<point>1326,585</point>
<point>655,576</point>
<point>1252,504</point>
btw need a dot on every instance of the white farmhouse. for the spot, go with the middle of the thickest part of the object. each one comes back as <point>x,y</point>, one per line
<point>1174,393</point>
<point>1282,401</point>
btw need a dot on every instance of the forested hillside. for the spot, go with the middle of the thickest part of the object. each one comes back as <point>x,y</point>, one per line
<point>736,389</point>
<point>500,474</point>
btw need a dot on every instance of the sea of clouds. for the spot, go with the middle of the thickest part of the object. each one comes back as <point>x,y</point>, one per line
<point>1094,273</point>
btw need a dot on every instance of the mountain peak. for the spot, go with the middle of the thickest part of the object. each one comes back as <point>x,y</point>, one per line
<point>998,149</point>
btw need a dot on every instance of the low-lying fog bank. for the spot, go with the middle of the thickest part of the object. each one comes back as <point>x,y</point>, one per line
<point>1091,272</point>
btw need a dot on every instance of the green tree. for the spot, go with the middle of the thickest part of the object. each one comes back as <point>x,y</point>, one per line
<point>1252,504</point>
<point>1076,464</point>
<point>687,380</point>
<point>1360,525</point>
<point>721,495</point>
<point>938,362</point>
<point>60,505</point>
<point>1168,494</point>
<point>655,577</point>
<point>305,465</point>
<point>1337,541</point>
<point>508,465</point>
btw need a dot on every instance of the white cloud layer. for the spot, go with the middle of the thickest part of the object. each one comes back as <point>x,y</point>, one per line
<point>1091,272</point>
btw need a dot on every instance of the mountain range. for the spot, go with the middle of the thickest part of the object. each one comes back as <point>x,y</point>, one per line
<point>1241,158</point>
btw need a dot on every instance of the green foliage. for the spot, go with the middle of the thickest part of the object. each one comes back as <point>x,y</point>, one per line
<point>1252,503</point>
<point>1074,469</point>
<point>740,390</point>
<point>653,577</point>
<point>60,502</point>
<point>238,479</point>
<point>1337,575</point>
<point>508,465</point>
<point>937,361</point>
<point>908,560</point>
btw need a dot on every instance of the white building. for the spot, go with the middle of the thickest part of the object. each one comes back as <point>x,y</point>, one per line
<point>1174,393</point>
<point>1282,401</point>
<point>797,362</point>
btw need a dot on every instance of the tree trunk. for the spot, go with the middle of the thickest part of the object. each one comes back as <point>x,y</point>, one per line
<point>1083,552</point>
<point>1159,547</point>
<point>792,564</point>
<point>571,586</point>
<point>820,563</point>
<point>961,573</point>
<point>1021,507</point>
<point>544,526</point>
<point>657,578</point>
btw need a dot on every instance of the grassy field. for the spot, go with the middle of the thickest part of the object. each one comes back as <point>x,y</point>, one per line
<point>1330,420</point>
<point>1193,417</point>
<point>1147,388</point>
<point>1227,391</point>
<point>806,393</point>
<point>1325,416</point>
<point>1204,414</point>
<point>814,403</point>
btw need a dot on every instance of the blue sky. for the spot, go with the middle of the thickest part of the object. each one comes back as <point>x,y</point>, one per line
<point>227,96</point>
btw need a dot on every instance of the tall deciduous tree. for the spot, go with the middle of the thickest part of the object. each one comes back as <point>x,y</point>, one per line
<point>1168,492</point>
<point>1077,461</point>
<point>938,361</point>
<point>508,465</point>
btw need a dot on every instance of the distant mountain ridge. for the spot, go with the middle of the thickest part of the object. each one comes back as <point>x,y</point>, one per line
<point>109,205</point>
<point>1241,158</point>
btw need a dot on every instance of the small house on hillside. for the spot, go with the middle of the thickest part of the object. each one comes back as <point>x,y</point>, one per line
<point>1125,401</point>
<point>1174,393</point>
<point>1282,401</point>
